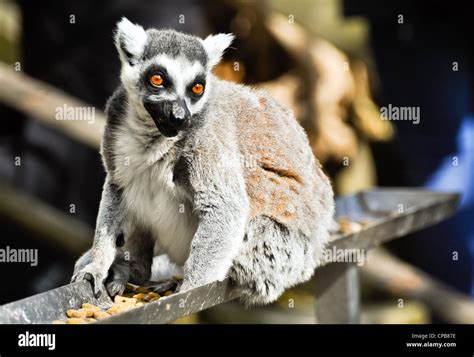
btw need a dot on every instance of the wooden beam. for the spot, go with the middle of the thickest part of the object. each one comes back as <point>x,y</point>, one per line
<point>54,227</point>
<point>43,101</point>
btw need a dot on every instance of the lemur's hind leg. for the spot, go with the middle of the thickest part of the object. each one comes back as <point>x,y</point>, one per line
<point>135,264</point>
<point>138,251</point>
<point>132,263</point>
<point>272,259</point>
<point>119,275</point>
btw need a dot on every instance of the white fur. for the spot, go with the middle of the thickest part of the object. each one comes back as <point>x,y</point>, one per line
<point>163,268</point>
<point>150,196</point>
<point>215,45</point>
<point>129,75</point>
<point>133,36</point>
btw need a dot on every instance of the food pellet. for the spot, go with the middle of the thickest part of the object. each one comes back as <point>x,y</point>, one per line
<point>122,299</point>
<point>76,313</point>
<point>152,295</point>
<point>140,296</point>
<point>90,306</point>
<point>116,309</point>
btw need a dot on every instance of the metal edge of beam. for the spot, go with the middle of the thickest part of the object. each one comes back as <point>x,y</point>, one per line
<point>395,225</point>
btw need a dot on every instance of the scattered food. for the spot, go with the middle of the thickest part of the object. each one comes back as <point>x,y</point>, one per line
<point>134,296</point>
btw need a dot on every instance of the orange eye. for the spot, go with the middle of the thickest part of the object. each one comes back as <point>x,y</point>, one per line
<point>198,88</point>
<point>156,80</point>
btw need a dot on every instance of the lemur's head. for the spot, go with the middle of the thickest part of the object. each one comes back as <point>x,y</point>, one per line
<point>166,73</point>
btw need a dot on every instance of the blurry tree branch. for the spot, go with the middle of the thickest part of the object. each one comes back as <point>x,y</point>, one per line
<point>388,273</point>
<point>41,101</point>
<point>56,228</point>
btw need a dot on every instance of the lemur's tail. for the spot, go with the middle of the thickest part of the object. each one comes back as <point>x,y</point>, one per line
<point>274,259</point>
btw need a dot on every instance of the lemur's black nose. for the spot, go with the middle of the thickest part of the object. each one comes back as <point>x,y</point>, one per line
<point>178,113</point>
<point>168,115</point>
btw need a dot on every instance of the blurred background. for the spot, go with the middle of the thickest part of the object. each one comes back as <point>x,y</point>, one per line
<point>338,64</point>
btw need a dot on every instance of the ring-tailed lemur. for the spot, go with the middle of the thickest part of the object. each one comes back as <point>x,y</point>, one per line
<point>216,175</point>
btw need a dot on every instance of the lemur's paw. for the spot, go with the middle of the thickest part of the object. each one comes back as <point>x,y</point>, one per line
<point>165,285</point>
<point>115,287</point>
<point>92,274</point>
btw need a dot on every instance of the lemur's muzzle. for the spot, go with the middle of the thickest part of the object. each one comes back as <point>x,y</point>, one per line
<point>170,116</point>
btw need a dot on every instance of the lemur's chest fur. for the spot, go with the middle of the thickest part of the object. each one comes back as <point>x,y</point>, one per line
<point>151,197</point>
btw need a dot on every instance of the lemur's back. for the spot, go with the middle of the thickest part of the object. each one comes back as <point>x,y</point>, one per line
<point>280,169</point>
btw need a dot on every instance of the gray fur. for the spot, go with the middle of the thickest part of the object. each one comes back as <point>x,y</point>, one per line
<point>236,192</point>
<point>174,44</point>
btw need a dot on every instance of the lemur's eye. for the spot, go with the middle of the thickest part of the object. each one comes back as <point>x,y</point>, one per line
<point>156,80</point>
<point>198,88</point>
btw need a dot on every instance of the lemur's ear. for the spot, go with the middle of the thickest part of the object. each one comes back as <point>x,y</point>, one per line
<point>215,45</point>
<point>130,40</point>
